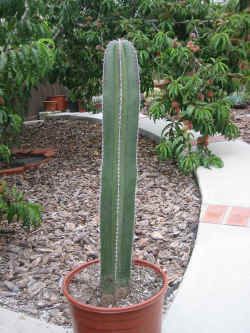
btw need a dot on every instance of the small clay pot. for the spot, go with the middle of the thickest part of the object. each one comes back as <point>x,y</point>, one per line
<point>60,101</point>
<point>50,106</point>
<point>98,106</point>
<point>81,106</point>
<point>145,317</point>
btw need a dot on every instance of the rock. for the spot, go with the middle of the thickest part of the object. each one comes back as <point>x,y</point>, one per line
<point>35,288</point>
<point>156,235</point>
<point>69,226</point>
<point>36,262</point>
<point>142,243</point>
<point>23,283</point>
<point>11,286</point>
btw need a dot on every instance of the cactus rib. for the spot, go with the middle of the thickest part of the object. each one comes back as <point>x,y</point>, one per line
<point>121,102</point>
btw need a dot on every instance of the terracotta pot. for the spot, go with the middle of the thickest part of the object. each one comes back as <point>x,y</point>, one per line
<point>50,106</point>
<point>60,101</point>
<point>145,317</point>
<point>81,106</point>
<point>98,106</point>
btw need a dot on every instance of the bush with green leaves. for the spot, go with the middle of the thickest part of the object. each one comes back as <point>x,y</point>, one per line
<point>201,64</point>
<point>14,207</point>
<point>27,54</point>
<point>199,48</point>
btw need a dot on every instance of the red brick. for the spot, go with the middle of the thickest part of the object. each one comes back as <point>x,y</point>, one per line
<point>239,216</point>
<point>214,214</point>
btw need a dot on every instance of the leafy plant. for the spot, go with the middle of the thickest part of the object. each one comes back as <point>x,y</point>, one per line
<point>200,49</point>
<point>14,207</point>
<point>5,153</point>
<point>121,102</point>
<point>27,54</point>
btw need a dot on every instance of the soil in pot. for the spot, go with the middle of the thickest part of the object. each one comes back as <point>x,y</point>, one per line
<point>85,287</point>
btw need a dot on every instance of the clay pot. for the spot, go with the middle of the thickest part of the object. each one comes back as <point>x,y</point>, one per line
<point>145,317</point>
<point>81,106</point>
<point>60,101</point>
<point>50,106</point>
<point>98,106</point>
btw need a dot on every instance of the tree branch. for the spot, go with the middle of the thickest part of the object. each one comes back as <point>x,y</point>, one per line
<point>26,11</point>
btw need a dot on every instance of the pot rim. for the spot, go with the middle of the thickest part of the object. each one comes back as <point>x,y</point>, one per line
<point>91,308</point>
<point>53,102</point>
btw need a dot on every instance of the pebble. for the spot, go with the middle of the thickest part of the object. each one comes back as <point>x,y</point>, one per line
<point>11,286</point>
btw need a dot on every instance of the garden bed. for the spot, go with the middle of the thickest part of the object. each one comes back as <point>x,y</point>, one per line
<point>25,159</point>
<point>32,266</point>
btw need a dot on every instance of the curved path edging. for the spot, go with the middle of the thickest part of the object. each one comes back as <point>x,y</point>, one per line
<point>214,294</point>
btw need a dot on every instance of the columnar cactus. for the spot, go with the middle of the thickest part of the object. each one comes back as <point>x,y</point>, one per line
<point>121,103</point>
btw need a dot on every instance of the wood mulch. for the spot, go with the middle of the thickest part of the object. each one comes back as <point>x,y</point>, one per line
<point>32,265</point>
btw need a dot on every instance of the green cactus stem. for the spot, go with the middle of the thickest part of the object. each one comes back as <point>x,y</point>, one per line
<point>121,103</point>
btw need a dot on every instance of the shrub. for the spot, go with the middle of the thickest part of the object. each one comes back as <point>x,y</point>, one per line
<point>27,54</point>
<point>14,207</point>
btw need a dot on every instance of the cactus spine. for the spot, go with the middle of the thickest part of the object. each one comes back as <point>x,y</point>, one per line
<point>121,103</point>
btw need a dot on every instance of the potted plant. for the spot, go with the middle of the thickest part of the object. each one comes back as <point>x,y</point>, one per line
<point>121,103</point>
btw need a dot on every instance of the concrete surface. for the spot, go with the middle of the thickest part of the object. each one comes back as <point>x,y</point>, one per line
<point>12,322</point>
<point>214,296</point>
<point>229,185</point>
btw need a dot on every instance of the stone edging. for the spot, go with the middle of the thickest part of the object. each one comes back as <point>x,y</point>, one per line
<point>47,153</point>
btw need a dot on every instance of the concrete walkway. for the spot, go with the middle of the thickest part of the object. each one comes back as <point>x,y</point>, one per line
<point>12,322</point>
<point>214,296</point>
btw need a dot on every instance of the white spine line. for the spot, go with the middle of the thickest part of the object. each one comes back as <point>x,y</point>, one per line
<point>118,167</point>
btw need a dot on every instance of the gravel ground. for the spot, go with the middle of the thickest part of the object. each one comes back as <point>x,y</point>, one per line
<point>32,265</point>
<point>242,119</point>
